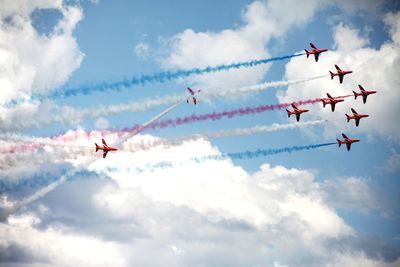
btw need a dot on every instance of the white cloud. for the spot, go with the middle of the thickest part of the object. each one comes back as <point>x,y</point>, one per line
<point>261,24</point>
<point>350,193</point>
<point>194,213</point>
<point>102,123</point>
<point>66,249</point>
<point>141,50</point>
<point>393,163</point>
<point>373,68</point>
<point>32,62</point>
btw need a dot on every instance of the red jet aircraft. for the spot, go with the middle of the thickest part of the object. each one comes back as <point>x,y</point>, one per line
<point>296,111</point>
<point>339,73</point>
<point>346,141</point>
<point>192,93</point>
<point>331,101</point>
<point>315,51</point>
<point>356,117</point>
<point>105,148</point>
<point>364,93</point>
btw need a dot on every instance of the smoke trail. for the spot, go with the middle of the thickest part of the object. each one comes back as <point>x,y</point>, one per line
<point>238,155</point>
<point>44,191</point>
<point>148,144</point>
<point>69,115</point>
<point>224,114</point>
<point>158,77</point>
<point>152,167</point>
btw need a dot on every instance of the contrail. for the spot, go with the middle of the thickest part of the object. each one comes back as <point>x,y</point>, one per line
<point>238,155</point>
<point>157,77</point>
<point>44,191</point>
<point>34,144</point>
<point>73,115</point>
<point>259,129</point>
<point>161,165</point>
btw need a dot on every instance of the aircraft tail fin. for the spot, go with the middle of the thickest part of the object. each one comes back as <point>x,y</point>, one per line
<point>348,117</point>
<point>288,113</point>
<point>97,147</point>
<point>355,95</point>
<point>331,74</point>
<point>339,143</point>
<point>307,53</point>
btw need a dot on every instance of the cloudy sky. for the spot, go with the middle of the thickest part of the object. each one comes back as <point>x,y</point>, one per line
<point>211,184</point>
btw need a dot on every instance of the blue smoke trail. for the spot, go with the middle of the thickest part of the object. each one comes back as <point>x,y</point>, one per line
<point>157,77</point>
<point>43,179</point>
<point>238,155</point>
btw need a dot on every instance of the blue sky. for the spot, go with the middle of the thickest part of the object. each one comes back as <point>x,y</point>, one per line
<point>110,40</point>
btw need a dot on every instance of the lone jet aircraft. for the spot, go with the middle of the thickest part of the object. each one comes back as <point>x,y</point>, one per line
<point>315,51</point>
<point>105,148</point>
<point>339,73</point>
<point>356,117</point>
<point>296,111</point>
<point>364,93</point>
<point>192,93</point>
<point>331,101</point>
<point>346,141</point>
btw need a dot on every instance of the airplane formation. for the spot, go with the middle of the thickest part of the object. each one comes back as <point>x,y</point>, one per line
<point>334,100</point>
<point>329,100</point>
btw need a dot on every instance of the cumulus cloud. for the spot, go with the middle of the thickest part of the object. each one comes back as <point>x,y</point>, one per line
<point>32,62</point>
<point>141,50</point>
<point>261,24</point>
<point>189,215</point>
<point>373,68</point>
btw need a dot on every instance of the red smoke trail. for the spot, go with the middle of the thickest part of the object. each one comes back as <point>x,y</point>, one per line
<point>72,136</point>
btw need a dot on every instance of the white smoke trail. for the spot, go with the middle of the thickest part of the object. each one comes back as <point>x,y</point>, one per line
<point>146,144</point>
<point>69,115</point>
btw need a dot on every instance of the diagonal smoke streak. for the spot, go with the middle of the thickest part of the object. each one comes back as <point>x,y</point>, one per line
<point>44,191</point>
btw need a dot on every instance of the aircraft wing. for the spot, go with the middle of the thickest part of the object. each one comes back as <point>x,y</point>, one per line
<point>348,145</point>
<point>361,88</point>
<point>105,154</point>
<point>104,142</point>
<point>194,100</point>
<point>294,106</point>
<point>298,116</point>
<point>313,46</point>
<point>344,136</point>
<point>354,112</point>
<point>333,107</point>
<point>337,68</point>
<point>316,55</point>
<point>357,121</point>
<point>365,99</point>
<point>190,91</point>
<point>329,96</point>
<point>341,78</point>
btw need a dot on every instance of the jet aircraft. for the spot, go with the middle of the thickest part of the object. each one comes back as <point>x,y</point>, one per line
<point>347,141</point>
<point>331,101</point>
<point>315,51</point>
<point>356,117</point>
<point>339,73</point>
<point>296,111</point>
<point>105,148</point>
<point>192,93</point>
<point>364,93</point>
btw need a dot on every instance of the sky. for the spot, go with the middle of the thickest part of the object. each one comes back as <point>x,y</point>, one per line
<point>230,181</point>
